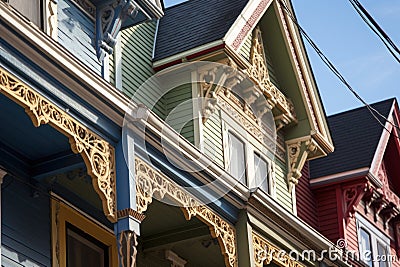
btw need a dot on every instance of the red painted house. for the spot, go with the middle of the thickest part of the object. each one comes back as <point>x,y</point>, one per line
<point>353,193</point>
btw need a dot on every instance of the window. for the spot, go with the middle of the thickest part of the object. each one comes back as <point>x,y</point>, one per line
<point>365,247</point>
<point>79,241</point>
<point>373,244</point>
<point>261,173</point>
<point>236,163</point>
<point>31,9</point>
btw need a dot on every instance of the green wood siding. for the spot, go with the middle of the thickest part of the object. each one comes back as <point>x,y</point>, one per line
<point>137,48</point>
<point>212,134</point>
<point>282,192</point>
<point>179,110</point>
<point>245,50</point>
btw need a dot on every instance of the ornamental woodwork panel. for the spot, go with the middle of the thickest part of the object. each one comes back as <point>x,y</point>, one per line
<point>149,182</point>
<point>265,253</point>
<point>97,153</point>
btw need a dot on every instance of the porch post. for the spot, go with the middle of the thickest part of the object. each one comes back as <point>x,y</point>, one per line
<point>2,174</point>
<point>127,227</point>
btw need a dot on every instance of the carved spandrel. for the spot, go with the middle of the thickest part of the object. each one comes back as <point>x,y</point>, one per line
<point>97,154</point>
<point>150,181</point>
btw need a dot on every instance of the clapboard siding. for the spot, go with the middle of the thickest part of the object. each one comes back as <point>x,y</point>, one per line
<point>212,136</point>
<point>328,213</point>
<point>246,47</point>
<point>26,227</point>
<point>76,32</point>
<point>305,199</point>
<point>282,191</point>
<point>137,48</point>
<point>179,111</point>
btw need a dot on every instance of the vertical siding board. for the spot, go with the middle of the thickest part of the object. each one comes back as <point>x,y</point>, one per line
<point>137,47</point>
<point>305,199</point>
<point>282,191</point>
<point>76,32</point>
<point>327,214</point>
<point>212,133</point>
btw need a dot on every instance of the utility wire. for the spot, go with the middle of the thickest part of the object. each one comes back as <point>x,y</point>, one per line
<point>374,26</point>
<point>375,113</point>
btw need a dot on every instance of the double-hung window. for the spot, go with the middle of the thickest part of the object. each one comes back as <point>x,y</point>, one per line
<point>261,173</point>
<point>237,162</point>
<point>373,245</point>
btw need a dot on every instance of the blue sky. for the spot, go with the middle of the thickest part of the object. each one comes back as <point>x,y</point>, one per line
<point>352,47</point>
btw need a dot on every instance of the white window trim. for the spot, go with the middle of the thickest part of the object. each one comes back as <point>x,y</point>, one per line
<point>251,144</point>
<point>376,236</point>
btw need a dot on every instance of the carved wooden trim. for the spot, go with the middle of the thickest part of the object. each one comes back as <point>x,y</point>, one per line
<point>150,181</point>
<point>51,19</point>
<point>265,253</point>
<point>97,153</point>
<point>258,72</point>
<point>127,251</point>
<point>352,196</point>
<point>297,153</point>
<point>130,212</point>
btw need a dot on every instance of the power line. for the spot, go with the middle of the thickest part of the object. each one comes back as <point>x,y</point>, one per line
<point>375,113</point>
<point>374,26</point>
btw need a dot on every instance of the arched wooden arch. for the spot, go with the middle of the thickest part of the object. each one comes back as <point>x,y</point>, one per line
<point>150,181</point>
<point>98,154</point>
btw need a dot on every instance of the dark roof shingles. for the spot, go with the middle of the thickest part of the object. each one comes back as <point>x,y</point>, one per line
<point>356,135</point>
<point>195,23</point>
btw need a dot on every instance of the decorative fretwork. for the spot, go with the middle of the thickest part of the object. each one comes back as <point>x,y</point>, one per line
<point>150,181</point>
<point>258,71</point>
<point>298,152</point>
<point>127,251</point>
<point>97,154</point>
<point>265,253</point>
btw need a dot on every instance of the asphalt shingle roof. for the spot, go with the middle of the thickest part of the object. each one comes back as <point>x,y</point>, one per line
<point>195,23</point>
<point>355,135</point>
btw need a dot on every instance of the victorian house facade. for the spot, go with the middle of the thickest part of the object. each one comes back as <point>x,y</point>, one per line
<point>137,135</point>
<point>352,195</point>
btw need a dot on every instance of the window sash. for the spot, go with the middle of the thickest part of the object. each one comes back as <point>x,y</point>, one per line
<point>261,177</point>
<point>237,161</point>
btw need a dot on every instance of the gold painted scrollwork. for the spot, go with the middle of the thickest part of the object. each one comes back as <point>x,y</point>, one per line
<point>150,181</point>
<point>97,154</point>
<point>265,252</point>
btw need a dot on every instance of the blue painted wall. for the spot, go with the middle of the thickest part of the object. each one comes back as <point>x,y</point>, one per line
<point>76,32</point>
<point>25,226</point>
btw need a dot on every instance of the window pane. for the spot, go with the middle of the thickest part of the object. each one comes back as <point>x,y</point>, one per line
<point>383,255</point>
<point>82,252</point>
<point>29,8</point>
<point>261,173</point>
<point>236,164</point>
<point>365,249</point>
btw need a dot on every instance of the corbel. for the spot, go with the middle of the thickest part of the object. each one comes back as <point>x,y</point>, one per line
<point>109,18</point>
<point>387,213</point>
<point>297,154</point>
<point>352,195</point>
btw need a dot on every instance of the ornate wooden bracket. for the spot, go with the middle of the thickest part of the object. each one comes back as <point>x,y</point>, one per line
<point>297,153</point>
<point>109,19</point>
<point>265,253</point>
<point>150,181</point>
<point>97,154</point>
<point>352,196</point>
